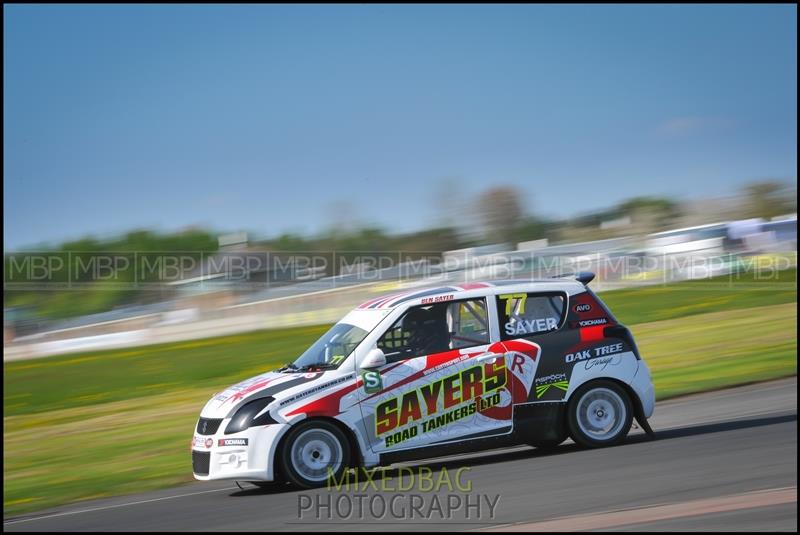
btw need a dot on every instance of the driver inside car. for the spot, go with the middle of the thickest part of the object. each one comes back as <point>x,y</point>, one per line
<point>428,331</point>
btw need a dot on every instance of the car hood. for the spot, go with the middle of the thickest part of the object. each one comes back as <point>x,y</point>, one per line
<point>270,384</point>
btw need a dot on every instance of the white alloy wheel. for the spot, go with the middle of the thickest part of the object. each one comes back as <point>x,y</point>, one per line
<point>314,451</point>
<point>599,413</point>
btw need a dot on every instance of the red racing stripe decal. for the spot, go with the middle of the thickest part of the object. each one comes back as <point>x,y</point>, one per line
<point>367,303</point>
<point>386,299</point>
<point>328,405</point>
<point>250,389</point>
<point>473,285</point>
<point>592,334</point>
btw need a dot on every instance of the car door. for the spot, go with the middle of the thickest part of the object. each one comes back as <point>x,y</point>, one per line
<point>444,379</point>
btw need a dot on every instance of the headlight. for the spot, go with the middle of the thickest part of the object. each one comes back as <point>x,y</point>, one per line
<point>245,417</point>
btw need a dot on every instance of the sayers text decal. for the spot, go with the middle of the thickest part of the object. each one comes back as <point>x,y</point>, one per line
<point>462,394</point>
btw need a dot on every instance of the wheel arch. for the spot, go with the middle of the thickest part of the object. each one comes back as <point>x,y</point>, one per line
<point>635,401</point>
<point>638,406</point>
<point>356,458</point>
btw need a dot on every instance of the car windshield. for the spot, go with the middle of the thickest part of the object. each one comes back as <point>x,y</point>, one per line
<point>330,350</point>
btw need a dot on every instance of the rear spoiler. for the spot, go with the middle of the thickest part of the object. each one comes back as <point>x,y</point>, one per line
<point>584,277</point>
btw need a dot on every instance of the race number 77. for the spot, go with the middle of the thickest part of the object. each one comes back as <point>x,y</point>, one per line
<point>509,299</point>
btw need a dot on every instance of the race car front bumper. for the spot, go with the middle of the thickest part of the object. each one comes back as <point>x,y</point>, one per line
<point>245,456</point>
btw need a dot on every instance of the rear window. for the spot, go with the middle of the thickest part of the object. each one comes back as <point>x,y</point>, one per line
<point>529,314</point>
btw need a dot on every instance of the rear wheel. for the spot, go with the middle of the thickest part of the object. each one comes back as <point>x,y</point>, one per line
<point>599,414</point>
<point>550,444</point>
<point>312,452</point>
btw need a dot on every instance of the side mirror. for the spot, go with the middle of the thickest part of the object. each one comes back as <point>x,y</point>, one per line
<point>374,359</point>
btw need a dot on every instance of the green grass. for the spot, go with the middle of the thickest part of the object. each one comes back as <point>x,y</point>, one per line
<point>110,449</point>
<point>78,380</point>
<point>710,351</point>
<point>113,422</point>
<point>730,292</point>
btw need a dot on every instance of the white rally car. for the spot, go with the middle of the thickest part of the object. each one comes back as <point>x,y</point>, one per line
<point>432,372</point>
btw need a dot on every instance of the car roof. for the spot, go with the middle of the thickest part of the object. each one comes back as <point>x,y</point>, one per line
<point>472,289</point>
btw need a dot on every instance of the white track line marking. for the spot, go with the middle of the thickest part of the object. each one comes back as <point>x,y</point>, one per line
<point>656,513</point>
<point>116,505</point>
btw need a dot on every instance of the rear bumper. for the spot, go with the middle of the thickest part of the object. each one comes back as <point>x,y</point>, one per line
<point>253,462</point>
<point>642,384</point>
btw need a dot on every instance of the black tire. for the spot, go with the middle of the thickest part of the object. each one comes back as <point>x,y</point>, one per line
<point>548,445</point>
<point>313,447</point>
<point>599,414</point>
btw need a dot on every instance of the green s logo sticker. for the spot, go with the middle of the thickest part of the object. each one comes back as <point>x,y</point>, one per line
<point>372,382</point>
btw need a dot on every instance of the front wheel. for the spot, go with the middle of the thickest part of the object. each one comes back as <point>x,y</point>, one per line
<point>599,414</point>
<point>313,451</point>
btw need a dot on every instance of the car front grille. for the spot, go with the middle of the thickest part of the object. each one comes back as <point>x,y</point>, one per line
<point>200,462</point>
<point>208,426</point>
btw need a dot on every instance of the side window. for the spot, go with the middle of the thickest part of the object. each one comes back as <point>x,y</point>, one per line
<point>527,314</point>
<point>428,329</point>
<point>468,323</point>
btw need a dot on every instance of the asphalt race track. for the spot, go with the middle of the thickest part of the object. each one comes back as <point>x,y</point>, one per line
<point>724,460</point>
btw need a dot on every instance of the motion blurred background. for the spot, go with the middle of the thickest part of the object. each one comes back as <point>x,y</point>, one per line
<point>192,193</point>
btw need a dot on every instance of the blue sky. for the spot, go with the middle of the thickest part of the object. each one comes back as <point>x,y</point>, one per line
<point>285,118</point>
